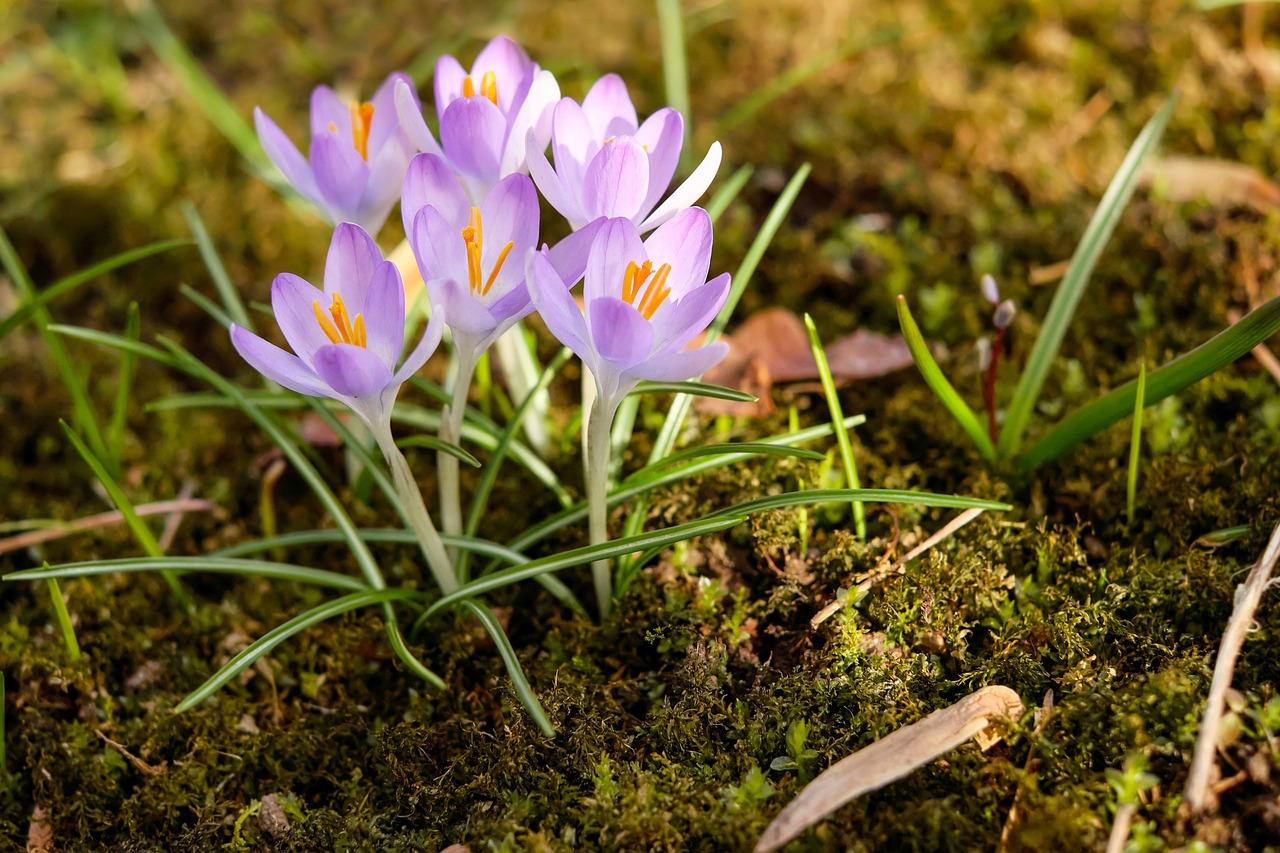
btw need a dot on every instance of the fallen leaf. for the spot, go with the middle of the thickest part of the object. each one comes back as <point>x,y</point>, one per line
<point>39,833</point>
<point>1220,182</point>
<point>889,759</point>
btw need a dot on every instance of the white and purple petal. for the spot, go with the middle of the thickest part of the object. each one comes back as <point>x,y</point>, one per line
<point>687,193</point>
<point>609,109</point>
<point>472,133</point>
<point>685,243</point>
<point>277,365</point>
<point>616,244</point>
<point>341,174</point>
<point>353,257</point>
<point>617,180</point>
<point>293,302</point>
<point>351,370</point>
<point>618,332</point>
<point>383,314</point>
<point>430,181</point>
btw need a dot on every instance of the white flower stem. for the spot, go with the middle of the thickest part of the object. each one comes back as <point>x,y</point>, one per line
<point>599,425</point>
<point>415,511</point>
<point>447,463</point>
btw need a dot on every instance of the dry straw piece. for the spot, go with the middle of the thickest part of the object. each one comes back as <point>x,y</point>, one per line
<point>889,759</point>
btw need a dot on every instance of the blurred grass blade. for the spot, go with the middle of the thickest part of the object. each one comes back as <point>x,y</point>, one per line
<point>697,389</point>
<point>227,292</point>
<point>207,305</point>
<point>108,339</point>
<point>395,535</point>
<point>64,286</point>
<point>264,644</point>
<point>64,619</point>
<point>141,533</point>
<point>77,387</point>
<point>1135,444</point>
<point>675,69</point>
<point>884,496</point>
<point>759,448</point>
<point>1071,289</point>
<point>211,563</point>
<point>1186,370</point>
<point>124,390</point>
<point>728,191</point>
<point>432,443</point>
<point>837,416</point>
<point>518,679</point>
<point>938,383</point>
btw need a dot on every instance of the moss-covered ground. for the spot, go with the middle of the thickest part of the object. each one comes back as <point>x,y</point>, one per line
<point>953,138</point>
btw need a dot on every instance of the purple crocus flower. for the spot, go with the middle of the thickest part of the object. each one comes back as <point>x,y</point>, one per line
<point>346,338</point>
<point>644,302</point>
<point>486,115</point>
<point>358,154</point>
<point>608,165</point>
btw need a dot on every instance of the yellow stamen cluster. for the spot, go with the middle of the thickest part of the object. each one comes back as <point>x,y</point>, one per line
<point>361,121</point>
<point>340,329</point>
<point>488,87</point>
<point>473,234</point>
<point>655,293</point>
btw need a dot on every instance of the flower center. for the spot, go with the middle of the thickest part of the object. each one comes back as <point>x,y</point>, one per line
<point>473,234</point>
<point>488,87</point>
<point>361,121</point>
<point>650,295</point>
<point>340,329</point>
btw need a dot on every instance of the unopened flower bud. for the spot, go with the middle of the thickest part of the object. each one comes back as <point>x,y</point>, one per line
<point>983,348</point>
<point>1005,312</point>
<point>990,290</point>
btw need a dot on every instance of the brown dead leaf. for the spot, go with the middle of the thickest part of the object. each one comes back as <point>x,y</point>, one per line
<point>772,346</point>
<point>39,833</point>
<point>889,759</point>
<point>1220,182</point>
<point>138,764</point>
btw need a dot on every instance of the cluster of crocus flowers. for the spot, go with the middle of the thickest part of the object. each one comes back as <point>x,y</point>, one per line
<point>470,211</point>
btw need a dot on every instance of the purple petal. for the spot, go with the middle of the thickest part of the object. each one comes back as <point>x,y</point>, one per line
<point>277,365</point>
<point>609,108</point>
<point>384,314</point>
<point>349,266</point>
<point>685,243</point>
<point>351,370</point>
<point>511,306</point>
<point>430,181</point>
<point>288,159</point>
<point>573,143</point>
<point>619,332</point>
<point>462,311</point>
<point>426,346</point>
<point>439,247</point>
<point>534,116</point>
<point>512,68</point>
<point>385,123</point>
<point>569,256</point>
<point>448,83</point>
<point>681,364</point>
<point>616,244</point>
<point>556,306</point>
<point>340,172</point>
<point>409,112</point>
<point>328,109</point>
<point>688,192</point>
<point>676,324</point>
<point>472,132</point>
<point>509,214</point>
<point>662,135</point>
<point>552,188</point>
<point>386,177</point>
<point>293,302</point>
<point>617,180</point>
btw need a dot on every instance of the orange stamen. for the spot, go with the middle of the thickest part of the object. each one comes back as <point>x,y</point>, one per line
<point>497,265</point>
<point>473,235</point>
<point>656,293</point>
<point>488,87</point>
<point>361,121</point>
<point>468,87</point>
<point>337,324</point>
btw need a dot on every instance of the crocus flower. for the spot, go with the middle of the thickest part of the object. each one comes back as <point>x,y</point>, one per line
<point>358,154</point>
<point>486,115</point>
<point>644,302</point>
<point>346,338</point>
<point>608,165</point>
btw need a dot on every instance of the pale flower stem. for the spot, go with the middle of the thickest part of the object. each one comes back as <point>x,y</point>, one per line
<point>447,463</point>
<point>521,374</point>
<point>599,424</point>
<point>415,511</point>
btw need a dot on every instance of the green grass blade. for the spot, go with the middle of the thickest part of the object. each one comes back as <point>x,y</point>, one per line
<point>518,679</point>
<point>884,496</point>
<point>1071,289</point>
<point>207,305</point>
<point>213,563</point>
<point>64,620</point>
<point>264,644</point>
<point>1184,371</point>
<point>697,389</point>
<point>837,416</point>
<point>397,536</point>
<point>675,69</point>
<point>4,755</point>
<point>1135,444</point>
<point>120,342</point>
<point>124,390</point>
<point>77,388</point>
<point>227,292</point>
<point>937,382</point>
<point>141,533</point>
<point>757,447</point>
<point>724,196</point>
<point>431,442</point>
<point>63,286</point>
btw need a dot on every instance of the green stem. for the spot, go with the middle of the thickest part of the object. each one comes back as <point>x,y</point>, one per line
<point>415,511</point>
<point>447,463</point>
<point>600,422</point>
